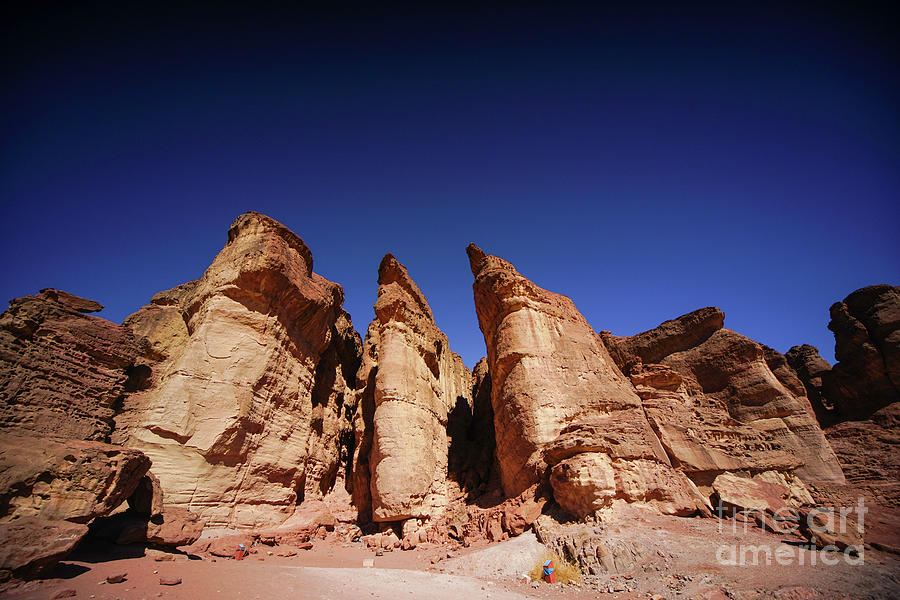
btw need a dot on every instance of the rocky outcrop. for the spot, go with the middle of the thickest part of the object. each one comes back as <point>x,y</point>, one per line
<point>866,328</point>
<point>562,406</point>
<point>813,371</point>
<point>722,402</point>
<point>247,409</point>
<point>413,385</point>
<point>65,480</point>
<point>63,371</point>
<point>858,400</point>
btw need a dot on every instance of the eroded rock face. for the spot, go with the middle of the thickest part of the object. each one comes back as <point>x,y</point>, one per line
<point>858,401</point>
<point>62,371</point>
<point>414,382</point>
<point>866,328</point>
<point>70,480</point>
<point>813,370</point>
<point>868,452</point>
<point>722,402</point>
<point>561,402</point>
<point>247,409</point>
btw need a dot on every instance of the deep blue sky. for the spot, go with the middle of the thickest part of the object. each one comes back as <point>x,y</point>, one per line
<point>645,160</point>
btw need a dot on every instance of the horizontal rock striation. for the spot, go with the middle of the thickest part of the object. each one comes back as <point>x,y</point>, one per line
<point>62,371</point>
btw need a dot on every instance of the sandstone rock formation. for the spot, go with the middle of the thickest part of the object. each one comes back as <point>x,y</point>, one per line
<point>50,488</point>
<point>858,400</point>
<point>68,480</point>
<point>247,411</point>
<point>866,328</point>
<point>413,384</point>
<point>722,402</point>
<point>561,404</point>
<point>813,371</point>
<point>62,371</point>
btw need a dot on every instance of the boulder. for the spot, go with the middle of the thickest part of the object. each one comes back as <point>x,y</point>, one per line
<point>31,546</point>
<point>69,480</point>
<point>748,494</point>
<point>247,411</point>
<point>828,527</point>
<point>415,383</point>
<point>62,371</point>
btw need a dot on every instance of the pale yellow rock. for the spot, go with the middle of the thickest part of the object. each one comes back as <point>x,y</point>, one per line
<point>591,481</point>
<point>247,406</point>
<point>413,382</point>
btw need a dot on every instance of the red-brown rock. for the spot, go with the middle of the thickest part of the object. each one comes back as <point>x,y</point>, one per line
<point>62,371</point>
<point>738,405</point>
<point>31,546</point>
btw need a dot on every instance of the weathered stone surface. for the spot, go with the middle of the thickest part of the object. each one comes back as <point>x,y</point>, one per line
<point>813,370</point>
<point>591,481</point>
<point>826,527</point>
<point>248,407</point>
<point>559,399</point>
<point>62,371</point>
<point>869,452</point>
<point>31,546</point>
<point>746,493</point>
<point>866,328</point>
<point>70,480</point>
<point>413,382</point>
<point>738,405</point>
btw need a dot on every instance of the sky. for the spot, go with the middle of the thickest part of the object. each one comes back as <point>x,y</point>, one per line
<point>644,159</point>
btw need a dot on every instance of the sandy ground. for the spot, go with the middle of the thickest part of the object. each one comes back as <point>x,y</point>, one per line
<point>335,569</point>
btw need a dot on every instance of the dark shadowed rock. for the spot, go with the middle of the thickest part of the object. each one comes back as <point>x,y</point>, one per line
<point>147,498</point>
<point>172,527</point>
<point>866,328</point>
<point>813,370</point>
